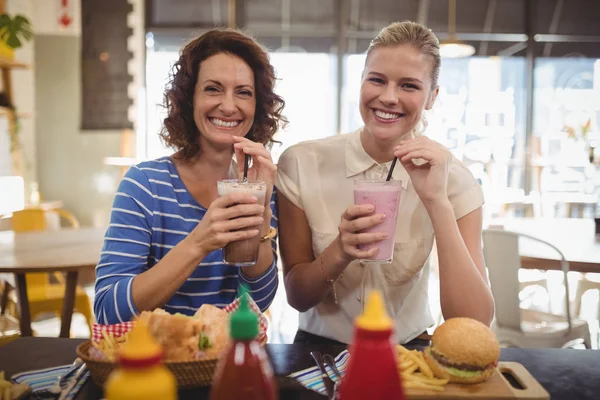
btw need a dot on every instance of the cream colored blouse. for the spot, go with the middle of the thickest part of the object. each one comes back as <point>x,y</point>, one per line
<point>318,177</point>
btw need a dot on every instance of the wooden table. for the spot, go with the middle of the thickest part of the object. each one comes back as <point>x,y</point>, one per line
<point>574,237</point>
<point>566,374</point>
<point>67,251</point>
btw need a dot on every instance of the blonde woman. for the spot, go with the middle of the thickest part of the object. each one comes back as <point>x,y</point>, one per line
<point>320,228</point>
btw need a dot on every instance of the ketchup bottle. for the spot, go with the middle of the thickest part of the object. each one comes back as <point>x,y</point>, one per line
<point>244,372</point>
<point>372,371</point>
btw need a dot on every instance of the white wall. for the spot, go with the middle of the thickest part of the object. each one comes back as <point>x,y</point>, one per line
<point>24,93</point>
<point>70,163</point>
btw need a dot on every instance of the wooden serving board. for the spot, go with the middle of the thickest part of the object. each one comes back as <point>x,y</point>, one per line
<point>496,387</point>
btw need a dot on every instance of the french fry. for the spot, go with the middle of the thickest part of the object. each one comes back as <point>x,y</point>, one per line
<point>411,370</point>
<point>105,335</point>
<point>421,363</point>
<point>402,350</point>
<point>415,372</point>
<point>406,364</point>
<point>109,344</point>
<point>4,387</point>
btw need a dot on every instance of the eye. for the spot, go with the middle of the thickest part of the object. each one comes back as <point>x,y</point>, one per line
<point>410,86</point>
<point>376,80</point>
<point>246,93</point>
<point>211,89</point>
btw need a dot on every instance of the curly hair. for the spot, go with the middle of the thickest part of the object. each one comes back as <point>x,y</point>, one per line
<point>179,129</point>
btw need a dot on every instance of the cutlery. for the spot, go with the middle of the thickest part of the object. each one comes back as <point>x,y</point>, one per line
<point>65,392</point>
<point>57,387</point>
<point>331,363</point>
<point>327,382</point>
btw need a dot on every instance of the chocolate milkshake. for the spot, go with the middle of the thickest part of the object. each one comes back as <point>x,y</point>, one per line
<point>242,253</point>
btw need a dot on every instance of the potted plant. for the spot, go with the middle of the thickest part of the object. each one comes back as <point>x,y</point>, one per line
<point>14,31</point>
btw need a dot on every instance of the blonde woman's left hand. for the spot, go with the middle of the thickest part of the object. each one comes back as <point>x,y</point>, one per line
<point>262,169</point>
<point>430,175</point>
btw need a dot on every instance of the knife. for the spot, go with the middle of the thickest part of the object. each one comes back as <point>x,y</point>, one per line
<point>65,392</point>
<point>327,382</point>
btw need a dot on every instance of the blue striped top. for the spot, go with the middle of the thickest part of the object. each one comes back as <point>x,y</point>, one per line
<point>152,212</point>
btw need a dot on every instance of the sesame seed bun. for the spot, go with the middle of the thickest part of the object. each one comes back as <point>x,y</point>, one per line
<point>463,350</point>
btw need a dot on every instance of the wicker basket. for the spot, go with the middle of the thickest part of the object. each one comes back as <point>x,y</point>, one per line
<point>188,374</point>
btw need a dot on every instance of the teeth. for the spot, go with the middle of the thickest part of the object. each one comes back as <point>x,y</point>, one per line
<point>226,124</point>
<point>385,115</point>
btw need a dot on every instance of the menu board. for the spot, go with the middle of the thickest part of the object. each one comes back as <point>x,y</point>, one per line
<point>104,58</point>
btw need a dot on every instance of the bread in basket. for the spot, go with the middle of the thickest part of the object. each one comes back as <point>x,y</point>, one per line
<point>191,345</point>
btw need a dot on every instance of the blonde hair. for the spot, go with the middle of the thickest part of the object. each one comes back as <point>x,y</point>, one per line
<point>413,34</point>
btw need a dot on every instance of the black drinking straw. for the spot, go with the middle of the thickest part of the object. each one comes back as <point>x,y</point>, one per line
<point>246,162</point>
<point>389,176</point>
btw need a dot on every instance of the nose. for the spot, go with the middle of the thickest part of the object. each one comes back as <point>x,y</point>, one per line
<point>389,96</point>
<point>227,105</point>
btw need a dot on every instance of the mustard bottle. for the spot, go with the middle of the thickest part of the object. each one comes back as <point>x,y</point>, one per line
<point>141,374</point>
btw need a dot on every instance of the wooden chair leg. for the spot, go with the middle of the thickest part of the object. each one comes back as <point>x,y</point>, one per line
<point>4,299</point>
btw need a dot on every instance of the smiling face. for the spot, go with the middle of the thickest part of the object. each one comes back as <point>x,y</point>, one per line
<point>224,99</point>
<point>396,88</point>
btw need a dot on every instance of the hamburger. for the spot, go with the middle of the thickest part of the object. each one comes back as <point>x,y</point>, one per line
<point>463,350</point>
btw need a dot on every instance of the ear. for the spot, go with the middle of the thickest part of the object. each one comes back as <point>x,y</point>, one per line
<point>432,97</point>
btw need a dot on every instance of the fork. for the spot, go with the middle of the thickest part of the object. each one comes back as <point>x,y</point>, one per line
<point>328,359</point>
<point>57,387</point>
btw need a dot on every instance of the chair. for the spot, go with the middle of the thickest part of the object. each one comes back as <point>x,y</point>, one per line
<point>587,282</point>
<point>9,326</point>
<point>9,329</point>
<point>517,327</point>
<point>36,219</point>
<point>46,296</point>
<point>8,302</point>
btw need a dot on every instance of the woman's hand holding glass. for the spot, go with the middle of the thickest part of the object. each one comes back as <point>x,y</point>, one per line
<point>225,220</point>
<point>354,221</point>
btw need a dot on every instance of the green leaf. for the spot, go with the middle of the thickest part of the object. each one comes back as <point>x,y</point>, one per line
<point>203,342</point>
<point>15,31</point>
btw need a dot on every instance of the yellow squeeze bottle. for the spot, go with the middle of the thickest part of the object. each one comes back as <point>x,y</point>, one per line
<point>141,374</point>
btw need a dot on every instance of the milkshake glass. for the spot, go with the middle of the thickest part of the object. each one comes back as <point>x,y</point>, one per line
<point>242,253</point>
<point>385,196</point>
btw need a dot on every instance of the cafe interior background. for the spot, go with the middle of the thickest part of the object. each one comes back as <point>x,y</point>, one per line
<point>519,104</point>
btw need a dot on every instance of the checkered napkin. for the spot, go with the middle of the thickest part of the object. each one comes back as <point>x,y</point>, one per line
<point>42,379</point>
<point>122,328</point>
<point>311,379</point>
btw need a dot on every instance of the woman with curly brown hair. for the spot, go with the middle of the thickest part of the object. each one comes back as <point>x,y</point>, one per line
<point>163,247</point>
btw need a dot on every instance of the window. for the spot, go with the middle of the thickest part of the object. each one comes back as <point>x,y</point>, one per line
<point>158,68</point>
<point>306,81</point>
<point>566,133</point>
<point>479,114</point>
